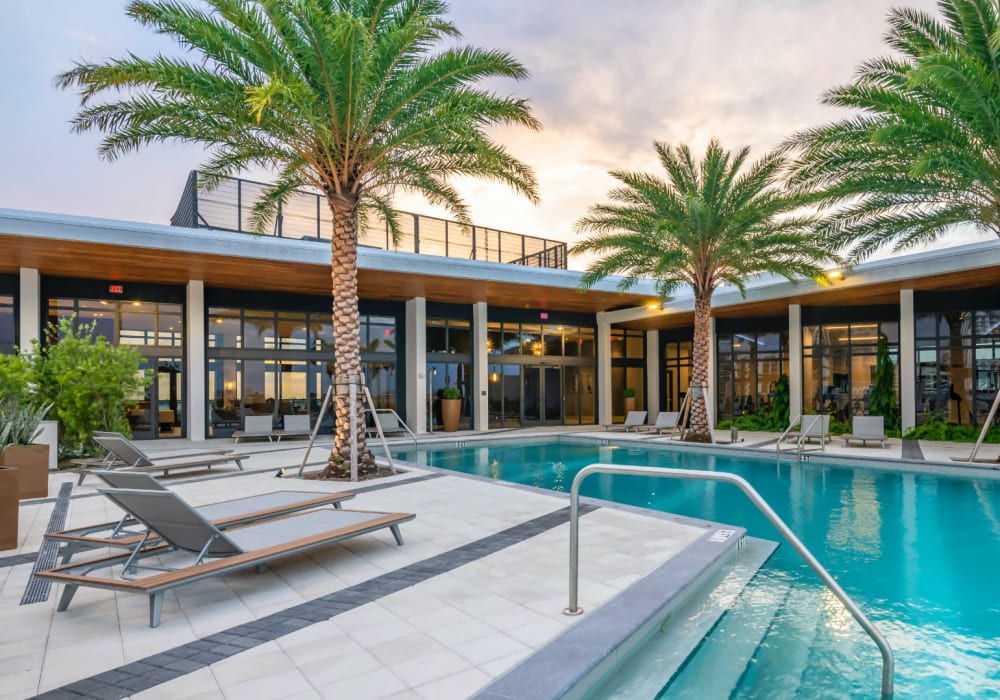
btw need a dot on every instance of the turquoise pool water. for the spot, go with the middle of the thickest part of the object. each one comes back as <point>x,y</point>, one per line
<point>919,552</point>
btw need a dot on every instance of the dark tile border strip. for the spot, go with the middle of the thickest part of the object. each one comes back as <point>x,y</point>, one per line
<point>38,590</point>
<point>165,666</point>
<point>586,650</point>
<point>30,557</point>
<point>911,450</point>
<point>18,559</point>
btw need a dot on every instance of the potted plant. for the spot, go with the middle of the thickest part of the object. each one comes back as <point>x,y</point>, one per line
<point>629,395</point>
<point>20,424</point>
<point>451,408</point>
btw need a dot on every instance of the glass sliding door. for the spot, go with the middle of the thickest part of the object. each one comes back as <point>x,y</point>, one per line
<point>542,399</point>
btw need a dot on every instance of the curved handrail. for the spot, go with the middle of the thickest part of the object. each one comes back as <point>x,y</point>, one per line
<point>888,663</point>
<point>795,421</point>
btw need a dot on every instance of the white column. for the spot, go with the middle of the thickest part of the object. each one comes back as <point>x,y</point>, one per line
<point>480,368</point>
<point>194,370</point>
<point>794,360</point>
<point>29,308</point>
<point>603,371</point>
<point>907,361</point>
<point>653,364</point>
<point>416,364</point>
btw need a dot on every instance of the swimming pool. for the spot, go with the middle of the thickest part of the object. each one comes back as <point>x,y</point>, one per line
<point>919,552</point>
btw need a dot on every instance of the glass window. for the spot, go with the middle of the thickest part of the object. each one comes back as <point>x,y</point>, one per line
<point>459,337</point>
<point>552,340</point>
<point>258,330</point>
<point>586,342</point>
<point>635,345</point>
<point>494,339</point>
<point>224,332</point>
<point>6,324</point>
<point>437,336</point>
<point>511,339</point>
<point>292,331</point>
<point>531,339</point>
<point>381,335</point>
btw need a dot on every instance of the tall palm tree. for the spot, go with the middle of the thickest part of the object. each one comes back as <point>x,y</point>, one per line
<point>923,154</point>
<point>706,224</point>
<point>351,97</point>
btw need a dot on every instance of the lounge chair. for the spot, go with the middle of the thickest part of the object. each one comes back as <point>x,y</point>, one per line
<point>135,459</point>
<point>257,426</point>
<point>125,534</point>
<point>865,428</point>
<point>295,425</point>
<point>666,421</point>
<point>183,529</point>
<point>816,427</point>
<point>633,421</point>
<point>390,422</point>
<point>111,460</point>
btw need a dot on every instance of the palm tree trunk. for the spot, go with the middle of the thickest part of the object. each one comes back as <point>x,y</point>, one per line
<point>346,342</point>
<point>700,424</point>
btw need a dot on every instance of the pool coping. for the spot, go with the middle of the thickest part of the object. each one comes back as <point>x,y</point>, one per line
<point>568,665</point>
<point>966,470</point>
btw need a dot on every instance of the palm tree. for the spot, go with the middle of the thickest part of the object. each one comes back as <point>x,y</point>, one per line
<point>345,96</point>
<point>923,155</point>
<point>706,224</point>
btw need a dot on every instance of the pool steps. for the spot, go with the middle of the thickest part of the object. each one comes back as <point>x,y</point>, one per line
<point>664,654</point>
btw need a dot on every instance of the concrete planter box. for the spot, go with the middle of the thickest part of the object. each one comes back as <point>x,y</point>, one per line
<point>8,507</point>
<point>32,463</point>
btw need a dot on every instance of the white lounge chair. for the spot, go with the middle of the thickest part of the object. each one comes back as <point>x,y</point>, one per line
<point>633,421</point>
<point>666,421</point>
<point>816,428</point>
<point>114,461</point>
<point>257,426</point>
<point>215,553</point>
<point>865,428</point>
<point>295,425</point>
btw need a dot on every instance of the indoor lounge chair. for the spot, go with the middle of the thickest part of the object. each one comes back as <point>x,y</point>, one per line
<point>216,553</point>
<point>127,532</point>
<point>136,460</point>
<point>633,421</point>
<point>111,460</point>
<point>865,428</point>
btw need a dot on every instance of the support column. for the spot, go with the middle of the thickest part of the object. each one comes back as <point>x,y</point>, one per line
<point>195,363</point>
<point>603,372</point>
<point>907,361</point>
<point>29,308</point>
<point>794,361</point>
<point>480,369</point>
<point>416,364</point>
<point>653,364</point>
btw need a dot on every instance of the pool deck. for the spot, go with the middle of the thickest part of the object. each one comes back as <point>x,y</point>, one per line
<point>478,587</point>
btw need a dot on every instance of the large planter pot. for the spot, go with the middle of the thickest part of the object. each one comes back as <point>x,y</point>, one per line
<point>629,404</point>
<point>451,411</point>
<point>8,507</point>
<point>32,461</point>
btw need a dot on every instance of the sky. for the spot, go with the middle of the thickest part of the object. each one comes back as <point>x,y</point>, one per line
<point>607,80</point>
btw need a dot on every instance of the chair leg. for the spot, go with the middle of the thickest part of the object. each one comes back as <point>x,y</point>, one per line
<point>397,534</point>
<point>69,590</point>
<point>337,505</point>
<point>239,463</point>
<point>155,608</point>
<point>260,568</point>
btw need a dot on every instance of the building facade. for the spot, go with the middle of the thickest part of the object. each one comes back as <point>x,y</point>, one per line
<point>232,324</point>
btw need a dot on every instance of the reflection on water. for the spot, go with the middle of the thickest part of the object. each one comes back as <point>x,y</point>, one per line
<point>856,525</point>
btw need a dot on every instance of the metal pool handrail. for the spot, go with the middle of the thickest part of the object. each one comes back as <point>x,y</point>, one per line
<point>888,663</point>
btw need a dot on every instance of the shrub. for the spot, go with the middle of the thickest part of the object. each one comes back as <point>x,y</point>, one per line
<point>20,422</point>
<point>451,392</point>
<point>780,404</point>
<point>629,393</point>
<point>936,429</point>
<point>15,371</point>
<point>882,400</point>
<point>90,382</point>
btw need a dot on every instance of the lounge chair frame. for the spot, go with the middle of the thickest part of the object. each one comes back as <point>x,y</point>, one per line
<point>863,430</point>
<point>135,459</point>
<point>124,534</point>
<point>228,557</point>
<point>113,461</point>
<point>634,420</point>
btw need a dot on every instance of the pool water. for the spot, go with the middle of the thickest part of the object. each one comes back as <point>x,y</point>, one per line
<point>920,553</point>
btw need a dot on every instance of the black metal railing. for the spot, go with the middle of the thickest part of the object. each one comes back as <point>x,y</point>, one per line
<point>304,215</point>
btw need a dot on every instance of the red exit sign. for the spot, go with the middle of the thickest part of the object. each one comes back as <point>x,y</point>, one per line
<point>116,289</point>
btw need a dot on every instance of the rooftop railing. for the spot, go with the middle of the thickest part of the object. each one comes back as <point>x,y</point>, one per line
<point>306,216</point>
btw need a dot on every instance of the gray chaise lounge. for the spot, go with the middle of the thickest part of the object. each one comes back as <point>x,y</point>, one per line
<point>127,532</point>
<point>183,529</point>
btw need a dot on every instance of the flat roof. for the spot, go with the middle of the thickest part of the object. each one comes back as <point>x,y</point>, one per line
<point>76,246</point>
